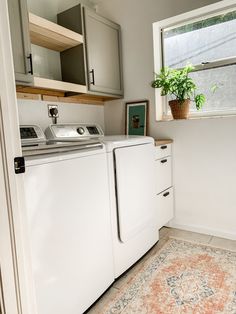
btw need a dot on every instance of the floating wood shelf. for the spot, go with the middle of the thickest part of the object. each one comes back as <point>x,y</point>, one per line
<point>44,83</point>
<point>50,90</point>
<point>51,35</point>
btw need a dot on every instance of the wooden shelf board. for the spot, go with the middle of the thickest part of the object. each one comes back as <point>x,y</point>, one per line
<point>74,100</point>
<point>51,35</point>
<point>56,91</point>
<point>59,85</point>
<point>31,90</point>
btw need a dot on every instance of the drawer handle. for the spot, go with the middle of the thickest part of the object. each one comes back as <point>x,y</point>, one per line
<point>163,161</point>
<point>166,194</point>
<point>164,147</point>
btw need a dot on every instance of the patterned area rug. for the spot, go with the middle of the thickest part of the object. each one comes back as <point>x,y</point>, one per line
<point>181,278</point>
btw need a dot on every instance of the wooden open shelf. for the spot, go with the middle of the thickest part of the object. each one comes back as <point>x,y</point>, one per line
<point>51,92</point>
<point>44,83</point>
<point>51,35</point>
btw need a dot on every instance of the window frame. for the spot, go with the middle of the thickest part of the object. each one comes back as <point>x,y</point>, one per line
<point>206,12</point>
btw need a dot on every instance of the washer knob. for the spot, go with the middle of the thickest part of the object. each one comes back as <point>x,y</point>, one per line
<point>80,130</point>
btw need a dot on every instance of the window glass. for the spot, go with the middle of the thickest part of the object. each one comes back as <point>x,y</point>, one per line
<point>218,85</point>
<point>203,41</point>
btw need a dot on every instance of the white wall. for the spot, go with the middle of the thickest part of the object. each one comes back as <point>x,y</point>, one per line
<point>50,8</point>
<point>204,152</point>
<point>36,112</point>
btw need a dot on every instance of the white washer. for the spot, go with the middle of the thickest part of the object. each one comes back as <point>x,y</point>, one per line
<point>67,198</point>
<point>132,195</point>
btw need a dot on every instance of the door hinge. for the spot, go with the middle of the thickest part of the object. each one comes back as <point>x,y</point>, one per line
<point>19,164</point>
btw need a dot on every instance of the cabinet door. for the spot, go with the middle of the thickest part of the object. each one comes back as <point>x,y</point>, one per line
<point>18,15</point>
<point>103,52</point>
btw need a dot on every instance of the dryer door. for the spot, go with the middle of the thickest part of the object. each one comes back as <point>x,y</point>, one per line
<point>135,189</point>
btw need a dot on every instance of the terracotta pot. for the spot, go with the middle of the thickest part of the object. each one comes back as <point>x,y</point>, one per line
<point>179,109</point>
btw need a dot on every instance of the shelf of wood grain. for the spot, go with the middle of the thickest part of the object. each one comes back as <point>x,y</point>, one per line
<point>45,83</point>
<point>52,90</point>
<point>160,142</point>
<point>50,35</point>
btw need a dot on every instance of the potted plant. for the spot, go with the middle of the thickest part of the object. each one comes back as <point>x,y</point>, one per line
<point>179,85</point>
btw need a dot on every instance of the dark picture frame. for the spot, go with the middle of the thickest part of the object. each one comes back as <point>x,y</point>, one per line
<point>136,117</point>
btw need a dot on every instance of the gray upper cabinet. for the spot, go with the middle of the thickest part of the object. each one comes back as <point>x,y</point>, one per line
<point>102,39</point>
<point>19,27</point>
<point>98,63</point>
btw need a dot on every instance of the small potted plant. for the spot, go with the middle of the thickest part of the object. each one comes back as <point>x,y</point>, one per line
<point>181,87</point>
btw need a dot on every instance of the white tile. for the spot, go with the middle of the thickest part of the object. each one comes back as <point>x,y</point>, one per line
<point>223,243</point>
<point>163,232</point>
<point>189,236</point>
<point>98,307</point>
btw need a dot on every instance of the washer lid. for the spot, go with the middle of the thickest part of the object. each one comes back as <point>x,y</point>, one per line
<point>113,142</point>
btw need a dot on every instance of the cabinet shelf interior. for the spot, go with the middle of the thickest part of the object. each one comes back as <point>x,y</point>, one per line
<point>52,36</point>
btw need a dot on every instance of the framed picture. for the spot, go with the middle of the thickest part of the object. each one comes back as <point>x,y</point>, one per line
<point>136,121</point>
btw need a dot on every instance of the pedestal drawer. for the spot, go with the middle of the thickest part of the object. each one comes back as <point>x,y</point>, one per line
<point>163,174</point>
<point>165,207</point>
<point>162,151</point>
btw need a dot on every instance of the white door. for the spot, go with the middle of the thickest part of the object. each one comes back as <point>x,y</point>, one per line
<point>14,262</point>
<point>8,297</point>
<point>135,188</point>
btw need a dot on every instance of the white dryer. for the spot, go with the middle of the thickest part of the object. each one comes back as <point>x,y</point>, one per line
<point>131,171</point>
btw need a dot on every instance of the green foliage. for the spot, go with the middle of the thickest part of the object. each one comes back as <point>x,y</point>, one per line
<point>178,84</point>
<point>214,88</point>
<point>199,99</point>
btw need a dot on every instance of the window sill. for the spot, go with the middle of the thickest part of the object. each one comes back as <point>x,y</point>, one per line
<point>170,119</point>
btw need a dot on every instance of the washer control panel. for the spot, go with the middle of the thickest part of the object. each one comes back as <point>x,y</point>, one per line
<point>31,134</point>
<point>81,130</point>
<point>67,132</point>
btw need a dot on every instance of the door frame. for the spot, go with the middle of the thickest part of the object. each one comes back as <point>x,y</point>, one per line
<point>16,280</point>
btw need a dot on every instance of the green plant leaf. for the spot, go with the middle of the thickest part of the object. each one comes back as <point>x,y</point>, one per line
<point>199,99</point>
<point>214,88</point>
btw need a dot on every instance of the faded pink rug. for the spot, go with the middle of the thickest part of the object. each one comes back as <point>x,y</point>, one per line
<point>181,278</point>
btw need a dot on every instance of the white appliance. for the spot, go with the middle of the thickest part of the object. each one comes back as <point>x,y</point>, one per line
<point>132,186</point>
<point>131,169</point>
<point>67,197</point>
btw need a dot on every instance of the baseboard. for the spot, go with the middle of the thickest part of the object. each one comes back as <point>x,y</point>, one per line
<point>203,230</point>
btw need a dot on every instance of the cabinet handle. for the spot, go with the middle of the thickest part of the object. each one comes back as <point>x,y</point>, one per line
<point>163,161</point>
<point>166,194</point>
<point>31,64</point>
<point>93,79</point>
<point>164,147</point>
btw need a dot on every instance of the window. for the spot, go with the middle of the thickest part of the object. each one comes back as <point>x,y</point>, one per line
<point>208,43</point>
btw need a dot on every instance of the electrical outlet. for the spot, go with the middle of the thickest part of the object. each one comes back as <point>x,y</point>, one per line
<point>53,111</point>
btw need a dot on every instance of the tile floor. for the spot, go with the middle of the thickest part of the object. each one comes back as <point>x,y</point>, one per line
<point>165,233</point>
